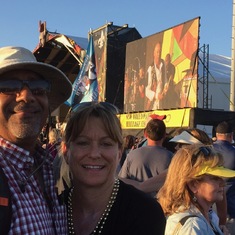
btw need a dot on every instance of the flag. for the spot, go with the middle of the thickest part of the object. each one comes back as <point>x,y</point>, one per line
<point>85,86</point>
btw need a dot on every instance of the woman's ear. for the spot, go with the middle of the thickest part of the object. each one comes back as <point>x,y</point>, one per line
<point>65,151</point>
<point>193,186</point>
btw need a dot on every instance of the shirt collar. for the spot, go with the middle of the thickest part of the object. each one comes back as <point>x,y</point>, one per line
<point>19,157</point>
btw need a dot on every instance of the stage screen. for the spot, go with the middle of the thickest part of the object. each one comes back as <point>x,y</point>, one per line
<point>161,70</point>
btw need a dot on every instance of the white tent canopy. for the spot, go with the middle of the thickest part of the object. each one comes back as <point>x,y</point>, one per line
<point>219,71</point>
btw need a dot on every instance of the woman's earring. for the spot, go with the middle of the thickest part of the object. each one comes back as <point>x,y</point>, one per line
<point>194,198</point>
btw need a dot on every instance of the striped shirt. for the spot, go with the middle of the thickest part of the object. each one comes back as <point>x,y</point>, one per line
<point>31,212</point>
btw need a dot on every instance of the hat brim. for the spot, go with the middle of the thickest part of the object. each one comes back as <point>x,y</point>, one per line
<point>216,171</point>
<point>221,172</point>
<point>61,87</point>
<point>185,138</point>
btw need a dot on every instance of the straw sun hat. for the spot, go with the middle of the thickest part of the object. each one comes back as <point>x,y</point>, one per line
<point>15,58</point>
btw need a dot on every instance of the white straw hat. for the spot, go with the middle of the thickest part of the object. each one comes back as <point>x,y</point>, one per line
<point>15,58</point>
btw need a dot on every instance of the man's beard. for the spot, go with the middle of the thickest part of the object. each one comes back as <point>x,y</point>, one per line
<point>26,130</point>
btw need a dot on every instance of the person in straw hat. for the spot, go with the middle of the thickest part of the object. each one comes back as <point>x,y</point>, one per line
<point>29,91</point>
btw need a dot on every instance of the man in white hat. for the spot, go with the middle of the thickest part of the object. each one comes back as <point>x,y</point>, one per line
<point>29,90</point>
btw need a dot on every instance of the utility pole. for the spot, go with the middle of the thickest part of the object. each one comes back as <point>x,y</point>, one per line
<point>232,79</point>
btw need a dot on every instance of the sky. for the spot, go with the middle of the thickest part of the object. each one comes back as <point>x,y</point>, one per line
<point>19,19</point>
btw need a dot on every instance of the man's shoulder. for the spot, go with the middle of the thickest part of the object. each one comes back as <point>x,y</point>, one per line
<point>221,145</point>
<point>162,149</point>
<point>135,154</point>
<point>151,68</point>
<point>151,149</point>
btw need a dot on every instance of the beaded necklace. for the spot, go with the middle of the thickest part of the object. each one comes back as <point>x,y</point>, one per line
<point>103,218</point>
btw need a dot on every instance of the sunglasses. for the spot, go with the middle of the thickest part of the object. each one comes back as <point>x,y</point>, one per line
<point>37,87</point>
<point>105,105</point>
<point>206,151</point>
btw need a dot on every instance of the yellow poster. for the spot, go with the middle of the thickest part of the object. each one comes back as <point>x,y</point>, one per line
<point>174,118</point>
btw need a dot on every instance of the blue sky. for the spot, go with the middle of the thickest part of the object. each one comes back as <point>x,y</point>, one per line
<point>19,19</point>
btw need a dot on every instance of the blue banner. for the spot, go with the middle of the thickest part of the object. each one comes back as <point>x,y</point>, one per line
<point>85,86</point>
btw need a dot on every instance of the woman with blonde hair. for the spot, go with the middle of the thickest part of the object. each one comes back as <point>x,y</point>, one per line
<point>199,174</point>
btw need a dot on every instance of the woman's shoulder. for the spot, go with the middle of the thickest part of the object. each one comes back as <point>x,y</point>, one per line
<point>138,199</point>
<point>187,222</point>
<point>137,210</point>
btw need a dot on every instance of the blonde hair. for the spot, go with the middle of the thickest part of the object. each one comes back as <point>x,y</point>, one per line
<point>182,170</point>
<point>54,135</point>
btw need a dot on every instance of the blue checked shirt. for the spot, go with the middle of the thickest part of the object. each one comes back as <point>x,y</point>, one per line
<point>31,212</point>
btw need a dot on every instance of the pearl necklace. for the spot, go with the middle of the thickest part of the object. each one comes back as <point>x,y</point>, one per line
<point>103,218</point>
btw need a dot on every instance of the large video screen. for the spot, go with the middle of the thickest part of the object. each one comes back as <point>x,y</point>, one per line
<point>161,70</point>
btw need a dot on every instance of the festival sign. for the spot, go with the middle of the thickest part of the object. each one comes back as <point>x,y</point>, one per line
<point>174,118</point>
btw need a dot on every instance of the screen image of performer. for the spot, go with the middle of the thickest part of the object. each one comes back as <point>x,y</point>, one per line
<point>156,75</point>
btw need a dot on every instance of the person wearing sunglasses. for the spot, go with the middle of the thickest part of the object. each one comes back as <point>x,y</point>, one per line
<point>199,173</point>
<point>29,91</point>
<point>98,202</point>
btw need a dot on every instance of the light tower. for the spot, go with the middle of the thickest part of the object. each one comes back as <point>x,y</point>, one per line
<point>232,83</point>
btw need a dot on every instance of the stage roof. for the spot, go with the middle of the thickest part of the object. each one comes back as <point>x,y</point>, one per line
<point>64,52</point>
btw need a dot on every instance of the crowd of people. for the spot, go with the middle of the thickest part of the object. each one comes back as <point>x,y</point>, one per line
<point>88,179</point>
<point>182,138</point>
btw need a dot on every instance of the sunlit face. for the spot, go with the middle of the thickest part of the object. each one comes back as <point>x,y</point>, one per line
<point>93,156</point>
<point>141,72</point>
<point>157,54</point>
<point>210,189</point>
<point>22,115</point>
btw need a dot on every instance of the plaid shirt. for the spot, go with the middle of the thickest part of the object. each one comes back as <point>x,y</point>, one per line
<point>31,213</point>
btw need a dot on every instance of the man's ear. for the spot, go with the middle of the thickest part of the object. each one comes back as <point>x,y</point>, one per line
<point>145,134</point>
